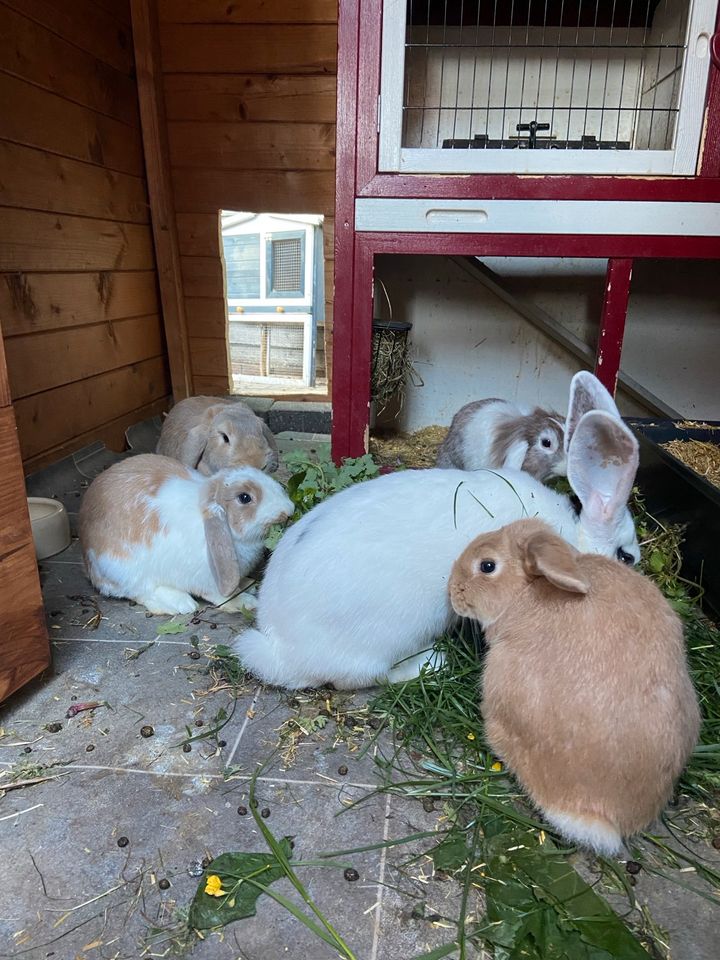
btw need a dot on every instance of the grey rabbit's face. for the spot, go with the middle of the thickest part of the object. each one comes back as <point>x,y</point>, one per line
<point>546,454</point>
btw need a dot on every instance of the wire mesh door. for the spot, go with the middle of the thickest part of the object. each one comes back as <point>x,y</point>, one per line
<point>544,85</point>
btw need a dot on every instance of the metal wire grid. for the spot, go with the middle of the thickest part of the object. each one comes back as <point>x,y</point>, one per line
<point>599,75</point>
<point>287,264</point>
<point>266,349</point>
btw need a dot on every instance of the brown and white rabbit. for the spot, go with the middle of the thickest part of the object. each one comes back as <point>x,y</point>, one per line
<point>160,533</point>
<point>496,433</point>
<point>211,433</point>
<point>586,692</point>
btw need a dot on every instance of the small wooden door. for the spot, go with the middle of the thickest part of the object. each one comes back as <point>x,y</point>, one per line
<point>24,646</point>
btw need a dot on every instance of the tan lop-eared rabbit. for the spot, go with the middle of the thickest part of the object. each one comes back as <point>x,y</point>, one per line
<point>586,694</point>
<point>211,433</point>
<point>160,533</point>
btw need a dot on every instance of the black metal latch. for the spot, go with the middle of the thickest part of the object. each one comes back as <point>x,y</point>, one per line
<point>532,130</point>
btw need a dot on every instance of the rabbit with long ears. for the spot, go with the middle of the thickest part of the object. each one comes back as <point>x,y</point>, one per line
<point>360,582</point>
<point>496,433</point>
<point>160,533</point>
<point>586,692</point>
<point>212,433</point>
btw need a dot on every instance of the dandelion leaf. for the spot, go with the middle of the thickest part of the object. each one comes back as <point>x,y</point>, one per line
<point>243,876</point>
<point>172,626</point>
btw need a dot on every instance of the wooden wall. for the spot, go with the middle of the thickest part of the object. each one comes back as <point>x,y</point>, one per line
<point>78,300</point>
<point>250,102</point>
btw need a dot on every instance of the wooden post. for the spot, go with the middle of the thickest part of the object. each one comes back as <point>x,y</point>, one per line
<point>162,206</point>
<point>612,324</point>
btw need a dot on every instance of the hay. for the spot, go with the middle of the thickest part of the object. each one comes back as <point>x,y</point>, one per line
<point>700,455</point>
<point>416,450</point>
<point>696,425</point>
<point>391,365</point>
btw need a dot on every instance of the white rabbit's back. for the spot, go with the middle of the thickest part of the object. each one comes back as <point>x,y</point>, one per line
<point>360,582</point>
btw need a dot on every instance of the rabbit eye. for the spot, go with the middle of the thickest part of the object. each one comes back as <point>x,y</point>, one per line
<point>244,498</point>
<point>546,442</point>
<point>226,438</point>
<point>625,557</point>
<point>487,566</point>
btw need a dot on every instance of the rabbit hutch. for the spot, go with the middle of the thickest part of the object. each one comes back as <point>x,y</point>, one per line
<point>516,128</point>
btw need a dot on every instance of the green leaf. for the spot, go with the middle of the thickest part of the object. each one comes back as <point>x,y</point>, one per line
<point>656,561</point>
<point>539,908</point>
<point>172,626</point>
<point>451,853</point>
<point>235,870</point>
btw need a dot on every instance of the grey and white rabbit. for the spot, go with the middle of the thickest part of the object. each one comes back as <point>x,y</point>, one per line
<point>497,433</point>
<point>360,583</point>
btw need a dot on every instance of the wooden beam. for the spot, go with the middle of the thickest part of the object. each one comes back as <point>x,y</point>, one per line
<point>612,322</point>
<point>162,206</point>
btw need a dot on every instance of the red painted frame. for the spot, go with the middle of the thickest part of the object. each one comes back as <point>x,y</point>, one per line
<point>359,43</point>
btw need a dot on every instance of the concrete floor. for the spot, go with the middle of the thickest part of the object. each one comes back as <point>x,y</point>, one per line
<point>70,891</point>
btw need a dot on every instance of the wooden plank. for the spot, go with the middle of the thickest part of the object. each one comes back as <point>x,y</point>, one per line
<point>202,277</point>
<point>206,317</point>
<point>45,241</point>
<point>199,233</point>
<point>120,9</point>
<point>42,119</point>
<point>14,519</point>
<point>36,180</point>
<point>85,25</point>
<point>189,48</point>
<point>112,434</point>
<point>24,646</point>
<point>247,11</point>
<point>211,386</point>
<point>5,397</point>
<point>253,146</point>
<point>33,53</point>
<point>41,361</point>
<point>49,301</point>
<point>293,99</point>
<point>162,203</point>
<point>199,191</point>
<point>209,357</point>
<point>55,417</point>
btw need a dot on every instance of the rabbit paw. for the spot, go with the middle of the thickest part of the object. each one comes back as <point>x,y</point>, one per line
<point>168,600</point>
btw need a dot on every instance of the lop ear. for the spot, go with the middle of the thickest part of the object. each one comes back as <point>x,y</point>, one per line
<point>274,458</point>
<point>586,394</point>
<point>546,555</point>
<point>516,453</point>
<point>221,550</point>
<point>193,445</point>
<point>602,462</point>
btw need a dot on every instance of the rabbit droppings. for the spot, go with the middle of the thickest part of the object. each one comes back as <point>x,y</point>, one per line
<point>357,590</point>
<point>496,433</point>
<point>585,694</point>
<point>211,433</point>
<point>157,532</point>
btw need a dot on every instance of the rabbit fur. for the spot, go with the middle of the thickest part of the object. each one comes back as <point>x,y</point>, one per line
<point>360,582</point>
<point>158,532</point>
<point>211,433</point>
<point>586,695</point>
<point>496,433</point>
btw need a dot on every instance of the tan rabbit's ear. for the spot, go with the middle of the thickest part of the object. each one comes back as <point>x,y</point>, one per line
<point>548,556</point>
<point>193,445</point>
<point>221,550</point>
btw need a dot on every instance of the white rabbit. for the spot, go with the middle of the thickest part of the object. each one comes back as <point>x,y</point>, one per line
<point>211,433</point>
<point>361,582</point>
<point>157,532</point>
<point>496,433</point>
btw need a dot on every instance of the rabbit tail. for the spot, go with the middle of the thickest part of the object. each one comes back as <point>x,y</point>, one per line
<point>265,658</point>
<point>590,831</point>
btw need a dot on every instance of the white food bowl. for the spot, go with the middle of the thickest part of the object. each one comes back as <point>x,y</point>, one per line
<point>50,526</point>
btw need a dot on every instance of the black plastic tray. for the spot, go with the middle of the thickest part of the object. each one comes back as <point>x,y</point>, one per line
<point>675,493</point>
